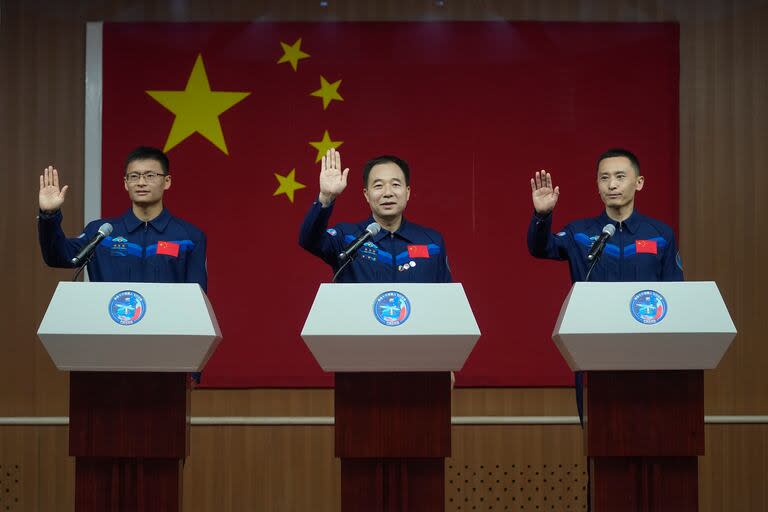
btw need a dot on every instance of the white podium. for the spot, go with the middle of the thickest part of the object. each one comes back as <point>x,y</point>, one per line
<point>392,346</point>
<point>129,347</point>
<point>645,345</point>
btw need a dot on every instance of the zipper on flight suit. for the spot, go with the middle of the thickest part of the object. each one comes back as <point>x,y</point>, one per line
<point>621,251</point>
<point>394,256</point>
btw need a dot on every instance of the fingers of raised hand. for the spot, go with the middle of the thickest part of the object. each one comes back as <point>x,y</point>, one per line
<point>337,156</point>
<point>329,161</point>
<point>49,177</point>
<point>542,179</point>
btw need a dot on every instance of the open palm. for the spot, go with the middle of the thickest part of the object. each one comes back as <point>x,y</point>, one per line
<point>51,196</point>
<point>333,180</point>
<point>543,194</point>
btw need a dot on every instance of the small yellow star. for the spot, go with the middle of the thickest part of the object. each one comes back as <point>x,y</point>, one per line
<point>324,145</point>
<point>197,108</point>
<point>293,54</point>
<point>328,92</point>
<point>288,184</point>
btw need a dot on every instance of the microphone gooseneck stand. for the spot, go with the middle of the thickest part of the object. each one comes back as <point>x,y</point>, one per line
<point>83,265</point>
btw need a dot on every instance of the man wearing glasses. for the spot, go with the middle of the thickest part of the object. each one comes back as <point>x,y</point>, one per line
<point>147,243</point>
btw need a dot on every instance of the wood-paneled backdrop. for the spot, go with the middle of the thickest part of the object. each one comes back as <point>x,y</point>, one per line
<point>723,237</point>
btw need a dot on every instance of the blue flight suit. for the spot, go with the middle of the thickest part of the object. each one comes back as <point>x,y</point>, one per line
<point>656,259</point>
<point>642,249</point>
<point>412,254</point>
<point>130,253</point>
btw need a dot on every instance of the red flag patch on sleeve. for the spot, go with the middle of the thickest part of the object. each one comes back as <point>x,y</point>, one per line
<point>418,251</point>
<point>646,247</point>
<point>168,248</point>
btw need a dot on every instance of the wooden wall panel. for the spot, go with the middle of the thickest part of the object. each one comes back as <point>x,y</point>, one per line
<point>257,468</point>
<point>292,469</point>
<point>733,474</point>
<point>723,214</point>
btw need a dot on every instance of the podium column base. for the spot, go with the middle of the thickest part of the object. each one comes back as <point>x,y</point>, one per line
<point>112,484</point>
<point>393,485</point>
<point>644,484</point>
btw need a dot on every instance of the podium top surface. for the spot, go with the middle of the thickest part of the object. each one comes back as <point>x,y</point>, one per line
<point>390,327</point>
<point>110,326</point>
<point>98,308</point>
<point>644,308</point>
<point>644,326</point>
<point>429,309</point>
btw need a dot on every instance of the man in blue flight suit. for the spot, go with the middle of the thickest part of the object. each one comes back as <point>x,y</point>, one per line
<point>147,243</point>
<point>401,252</point>
<point>642,248</point>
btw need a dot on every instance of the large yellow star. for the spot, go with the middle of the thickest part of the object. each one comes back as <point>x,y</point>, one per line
<point>324,145</point>
<point>292,53</point>
<point>288,184</point>
<point>328,92</point>
<point>197,108</point>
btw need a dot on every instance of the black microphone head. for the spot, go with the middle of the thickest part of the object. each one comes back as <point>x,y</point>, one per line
<point>609,229</point>
<point>373,228</point>
<point>105,229</point>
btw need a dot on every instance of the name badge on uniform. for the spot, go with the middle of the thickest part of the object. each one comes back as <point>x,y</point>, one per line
<point>418,251</point>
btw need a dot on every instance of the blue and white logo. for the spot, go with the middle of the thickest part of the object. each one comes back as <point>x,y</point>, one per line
<point>127,307</point>
<point>392,308</point>
<point>648,307</point>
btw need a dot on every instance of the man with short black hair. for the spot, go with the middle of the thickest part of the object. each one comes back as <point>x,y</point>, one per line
<point>401,252</point>
<point>643,248</point>
<point>147,243</point>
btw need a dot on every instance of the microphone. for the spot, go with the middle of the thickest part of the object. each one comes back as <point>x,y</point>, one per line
<point>371,231</point>
<point>599,245</point>
<point>104,231</point>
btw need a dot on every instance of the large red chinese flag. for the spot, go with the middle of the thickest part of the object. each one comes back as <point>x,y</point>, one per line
<point>244,110</point>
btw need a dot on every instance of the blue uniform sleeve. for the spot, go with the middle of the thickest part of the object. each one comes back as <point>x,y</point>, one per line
<point>541,242</point>
<point>56,248</point>
<point>671,267</point>
<point>314,236</point>
<point>444,273</point>
<point>196,265</point>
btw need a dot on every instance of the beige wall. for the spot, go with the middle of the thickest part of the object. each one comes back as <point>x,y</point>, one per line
<point>723,233</point>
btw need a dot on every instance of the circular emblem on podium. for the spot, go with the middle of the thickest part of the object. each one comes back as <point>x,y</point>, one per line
<point>391,308</point>
<point>127,307</point>
<point>648,307</point>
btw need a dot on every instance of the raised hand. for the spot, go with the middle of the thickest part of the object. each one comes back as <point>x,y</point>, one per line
<point>51,197</point>
<point>333,180</point>
<point>544,196</point>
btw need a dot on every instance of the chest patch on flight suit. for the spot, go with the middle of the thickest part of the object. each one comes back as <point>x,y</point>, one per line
<point>418,251</point>
<point>168,248</point>
<point>119,246</point>
<point>646,247</point>
<point>369,251</point>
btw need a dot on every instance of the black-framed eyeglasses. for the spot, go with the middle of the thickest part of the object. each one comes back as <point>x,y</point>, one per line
<point>149,177</point>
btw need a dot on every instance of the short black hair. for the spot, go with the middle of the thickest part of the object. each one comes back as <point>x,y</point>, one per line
<point>148,153</point>
<point>618,152</point>
<point>383,159</point>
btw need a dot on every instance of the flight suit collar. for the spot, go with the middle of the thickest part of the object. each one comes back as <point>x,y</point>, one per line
<point>159,223</point>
